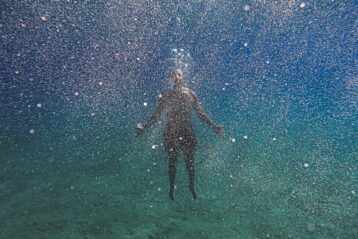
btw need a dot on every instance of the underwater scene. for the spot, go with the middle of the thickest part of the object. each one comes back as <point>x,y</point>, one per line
<point>194,119</point>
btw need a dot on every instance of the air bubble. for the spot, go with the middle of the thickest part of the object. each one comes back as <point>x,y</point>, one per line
<point>45,17</point>
<point>310,227</point>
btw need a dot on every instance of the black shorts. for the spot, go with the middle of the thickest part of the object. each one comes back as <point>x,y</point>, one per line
<point>179,139</point>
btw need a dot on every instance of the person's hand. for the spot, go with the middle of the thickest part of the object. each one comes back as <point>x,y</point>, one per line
<point>139,131</point>
<point>218,130</point>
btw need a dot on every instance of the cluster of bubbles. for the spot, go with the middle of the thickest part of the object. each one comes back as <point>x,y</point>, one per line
<point>181,58</point>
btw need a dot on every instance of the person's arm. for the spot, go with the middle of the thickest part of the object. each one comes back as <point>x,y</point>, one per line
<point>204,117</point>
<point>152,119</point>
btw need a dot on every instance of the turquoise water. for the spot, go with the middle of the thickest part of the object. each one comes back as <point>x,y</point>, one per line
<point>279,76</point>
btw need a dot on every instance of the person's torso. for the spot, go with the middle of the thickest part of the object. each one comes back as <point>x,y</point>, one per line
<point>178,105</point>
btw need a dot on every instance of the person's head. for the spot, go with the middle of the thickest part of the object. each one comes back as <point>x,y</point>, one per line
<point>178,78</point>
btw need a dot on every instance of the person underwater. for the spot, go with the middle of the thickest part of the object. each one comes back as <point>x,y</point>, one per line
<point>179,135</point>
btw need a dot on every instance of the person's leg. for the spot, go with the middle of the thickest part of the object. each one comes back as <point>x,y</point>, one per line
<point>189,159</point>
<point>172,153</point>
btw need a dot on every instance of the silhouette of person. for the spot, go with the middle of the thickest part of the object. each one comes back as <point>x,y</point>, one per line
<point>179,134</point>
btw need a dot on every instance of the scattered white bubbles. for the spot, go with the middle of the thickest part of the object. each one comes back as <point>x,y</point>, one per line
<point>306,165</point>
<point>93,114</point>
<point>77,94</point>
<point>140,126</point>
<point>274,139</point>
<point>232,140</point>
<point>148,170</point>
<point>302,5</point>
<point>138,59</point>
<point>180,138</point>
<point>145,103</point>
<point>246,137</point>
<point>231,176</point>
<point>32,131</point>
<point>160,96</point>
<point>100,83</point>
<point>353,192</point>
<point>72,187</point>
<point>246,44</point>
<point>39,105</point>
<point>154,146</point>
<point>246,8</point>
<point>159,189</point>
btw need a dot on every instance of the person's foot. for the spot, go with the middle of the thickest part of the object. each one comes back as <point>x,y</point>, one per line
<point>193,192</point>
<point>171,196</point>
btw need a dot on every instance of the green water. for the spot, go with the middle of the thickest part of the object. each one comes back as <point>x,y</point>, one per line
<point>112,186</point>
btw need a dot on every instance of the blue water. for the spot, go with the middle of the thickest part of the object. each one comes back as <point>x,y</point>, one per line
<point>78,76</point>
